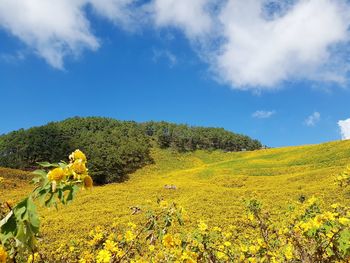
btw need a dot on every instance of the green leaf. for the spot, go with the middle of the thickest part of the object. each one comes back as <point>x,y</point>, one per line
<point>27,222</point>
<point>8,227</point>
<point>50,201</point>
<point>62,164</point>
<point>73,191</point>
<point>33,216</point>
<point>47,164</point>
<point>40,172</point>
<point>344,244</point>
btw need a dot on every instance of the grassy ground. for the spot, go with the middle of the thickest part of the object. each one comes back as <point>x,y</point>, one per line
<point>210,186</point>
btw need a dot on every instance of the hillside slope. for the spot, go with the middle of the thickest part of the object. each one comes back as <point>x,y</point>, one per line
<point>210,185</point>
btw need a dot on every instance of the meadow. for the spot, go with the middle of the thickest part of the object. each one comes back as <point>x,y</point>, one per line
<point>210,186</point>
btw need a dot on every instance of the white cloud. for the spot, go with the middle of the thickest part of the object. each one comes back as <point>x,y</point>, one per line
<point>55,29</point>
<point>261,52</point>
<point>248,48</point>
<point>261,114</point>
<point>121,12</point>
<point>313,119</point>
<point>344,129</point>
<point>190,16</point>
<point>245,46</point>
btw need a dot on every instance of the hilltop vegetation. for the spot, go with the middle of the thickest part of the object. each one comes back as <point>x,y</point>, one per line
<point>115,148</point>
<point>211,186</point>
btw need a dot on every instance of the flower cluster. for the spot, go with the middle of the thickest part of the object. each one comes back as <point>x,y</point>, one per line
<point>76,170</point>
<point>309,236</point>
<point>20,223</point>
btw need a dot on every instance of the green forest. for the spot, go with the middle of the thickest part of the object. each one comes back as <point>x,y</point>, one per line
<point>115,148</point>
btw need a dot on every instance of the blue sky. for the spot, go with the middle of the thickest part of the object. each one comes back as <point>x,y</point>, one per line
<point>170,69</point>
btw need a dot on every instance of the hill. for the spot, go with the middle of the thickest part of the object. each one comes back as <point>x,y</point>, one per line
<point>115,148</point>
<point>210,185</point>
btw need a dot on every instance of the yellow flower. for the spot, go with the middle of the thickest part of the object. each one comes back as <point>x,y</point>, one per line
<point>329,235</point>
<point>177,239</point>
<point>250,217</point>
<point>202,226</point>
<point>227,244</point>
<point>201,247</point>
<point>111,246</point>
<point>187,257</point>
<point>1,180</point>
<point>33,258</point>
<point>227,234</point>
<point>77,155</point>
<point>131,225</point>
<point>244,248</point>
<point>129,236</point>
<point>344,221</point>
<point>56,174</point>
<point>220,255</point>
<point>120,253</point>
<point>163,204</point>
<point>3,255</point>
<point>217,229</point>
<point>318,221</point>
<point>261,242</point>
<point>103,256</point>
<point>311,201</point>
<point>88,183</point>
<point>87,257</point>
<point>151,248</point>
<point>96,239</point>
<point>329,216</point>
<point>253,249</point>
<point>79,167</point>
<point>288,252</point>
<point>160,256</point>
<point>168,241</point>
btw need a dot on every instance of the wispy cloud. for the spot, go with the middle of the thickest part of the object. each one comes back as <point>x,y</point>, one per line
<point>261,114</point>
<point>162,54</point>
<point>246,45</point>
<point>13,58</point>
<point>344,126</point>
<point>313,119</point>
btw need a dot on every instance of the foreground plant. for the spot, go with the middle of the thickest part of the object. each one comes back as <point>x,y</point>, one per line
<point>55,183</point>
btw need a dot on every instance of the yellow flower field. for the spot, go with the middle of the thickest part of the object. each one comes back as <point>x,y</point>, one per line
<point>210,186</point>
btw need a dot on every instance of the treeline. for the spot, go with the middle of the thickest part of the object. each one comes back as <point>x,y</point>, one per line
<point>185,138</point>
<point>114,148</point>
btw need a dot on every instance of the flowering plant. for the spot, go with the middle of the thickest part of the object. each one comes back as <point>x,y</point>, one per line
<point>55,183</point>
